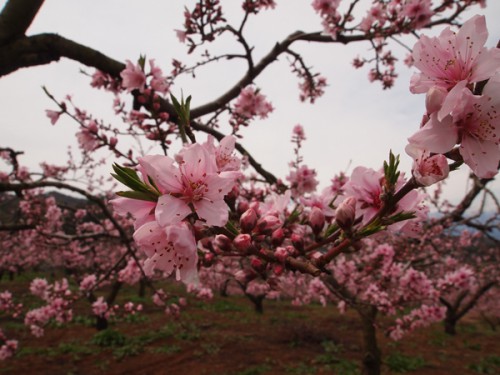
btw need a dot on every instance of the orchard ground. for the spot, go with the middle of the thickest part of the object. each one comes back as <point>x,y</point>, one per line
<point>225,336</point>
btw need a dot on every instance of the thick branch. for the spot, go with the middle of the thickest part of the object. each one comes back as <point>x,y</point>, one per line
<point>457,213</point>
<point>16,17</point>
<point>43,49</point>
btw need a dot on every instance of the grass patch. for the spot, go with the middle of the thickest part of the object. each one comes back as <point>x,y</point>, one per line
<point>487,365</point>
<point>398,362</point>
<point>109,338</point>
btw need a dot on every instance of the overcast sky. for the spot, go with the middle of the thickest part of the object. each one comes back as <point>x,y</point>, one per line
<point>354,123</point>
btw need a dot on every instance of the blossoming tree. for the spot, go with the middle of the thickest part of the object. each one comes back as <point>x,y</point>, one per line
<point>198,193</point>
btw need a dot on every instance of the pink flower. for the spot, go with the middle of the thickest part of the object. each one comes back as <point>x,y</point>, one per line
<point>158,80</point>
<point>133,77</point>
<point>473,121</point>
<point>303,180</point>
<point>325,7</point>
<point>100,307</point>
<point>192,186</point>
<point>169,249</point>
<point>53,116</point>
<point>364,186</point>
<point>453,57</point>
<point>224,154</point>
<point>427,169</point>
<point>181,35</point>
<point>419,11</point>
<point>251,103</point>
<point>87,140</point>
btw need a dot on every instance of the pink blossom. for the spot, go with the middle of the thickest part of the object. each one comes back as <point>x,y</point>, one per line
<point>100,307</point>
<point>302,180</point>
<point>473,121</point>
<point>141,210</point>
<point>53,116</point>
<point>194,185</point>
<point>325,7</point>
<point>419,11</point>
<point>169,249</point>
<point>224,154</point>
<point>88,283</point>
<point>453,57</point>
<point>251,103</point>
<point>364,185</point>
<point>40,288</point>
<point>158,80</point>
<point>87,140</point>
<point>427,169</point>
<point>133,77</point>
<point>181,35</point>
<point>8,347</point>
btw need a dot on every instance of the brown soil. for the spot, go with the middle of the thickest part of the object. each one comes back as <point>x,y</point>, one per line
<point>225,337</point>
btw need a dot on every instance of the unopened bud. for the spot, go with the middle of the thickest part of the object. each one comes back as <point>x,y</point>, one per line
<point>242,206</point>
<point>268,224</point>
<point>278,269</point>
<point>208,259</point>
<point>298,242</point>
<point>248,220</point>
<point>112,142</point>
<point>281,253</point>
<point>242,242</point>
<point>222,242</point>
<point>277,237</point>
<point>257,264</point>
<point>317,220</point>
<point>346,213</point>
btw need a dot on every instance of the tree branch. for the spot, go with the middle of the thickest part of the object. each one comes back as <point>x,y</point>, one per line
<point>16,17</point>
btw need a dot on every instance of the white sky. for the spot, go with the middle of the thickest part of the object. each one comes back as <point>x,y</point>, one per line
<point>354,123</point>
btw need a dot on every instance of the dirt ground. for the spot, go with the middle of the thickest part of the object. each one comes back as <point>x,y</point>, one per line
<point>225,337</point>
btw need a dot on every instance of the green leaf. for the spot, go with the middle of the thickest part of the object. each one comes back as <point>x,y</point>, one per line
<point>230,227</point>
<point>331,229</point>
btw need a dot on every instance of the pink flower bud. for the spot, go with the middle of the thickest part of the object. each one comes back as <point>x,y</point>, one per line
<point>278,237</point>
<point>278,269</point>
<point>257,264</point>
<point>208,259</point>
<point>317,220</point>
<point>268,224</point>
<point>280,253</point>
<point>93,127</point>
<point>248,220</point>
<point>242,242</point>
<point>298,241</point>
<point>222,242</point>
<point>346,213</point>
<point>112,142</point>
<point>242,206</point>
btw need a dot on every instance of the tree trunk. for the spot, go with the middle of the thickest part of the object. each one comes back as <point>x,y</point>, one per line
<point>101,323</point>
<point>450,321</point>
<point>142,288</point>
<point>114,292</point>
<point>258,302</point>
<point>372,357</point>
<point>450,324</point>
